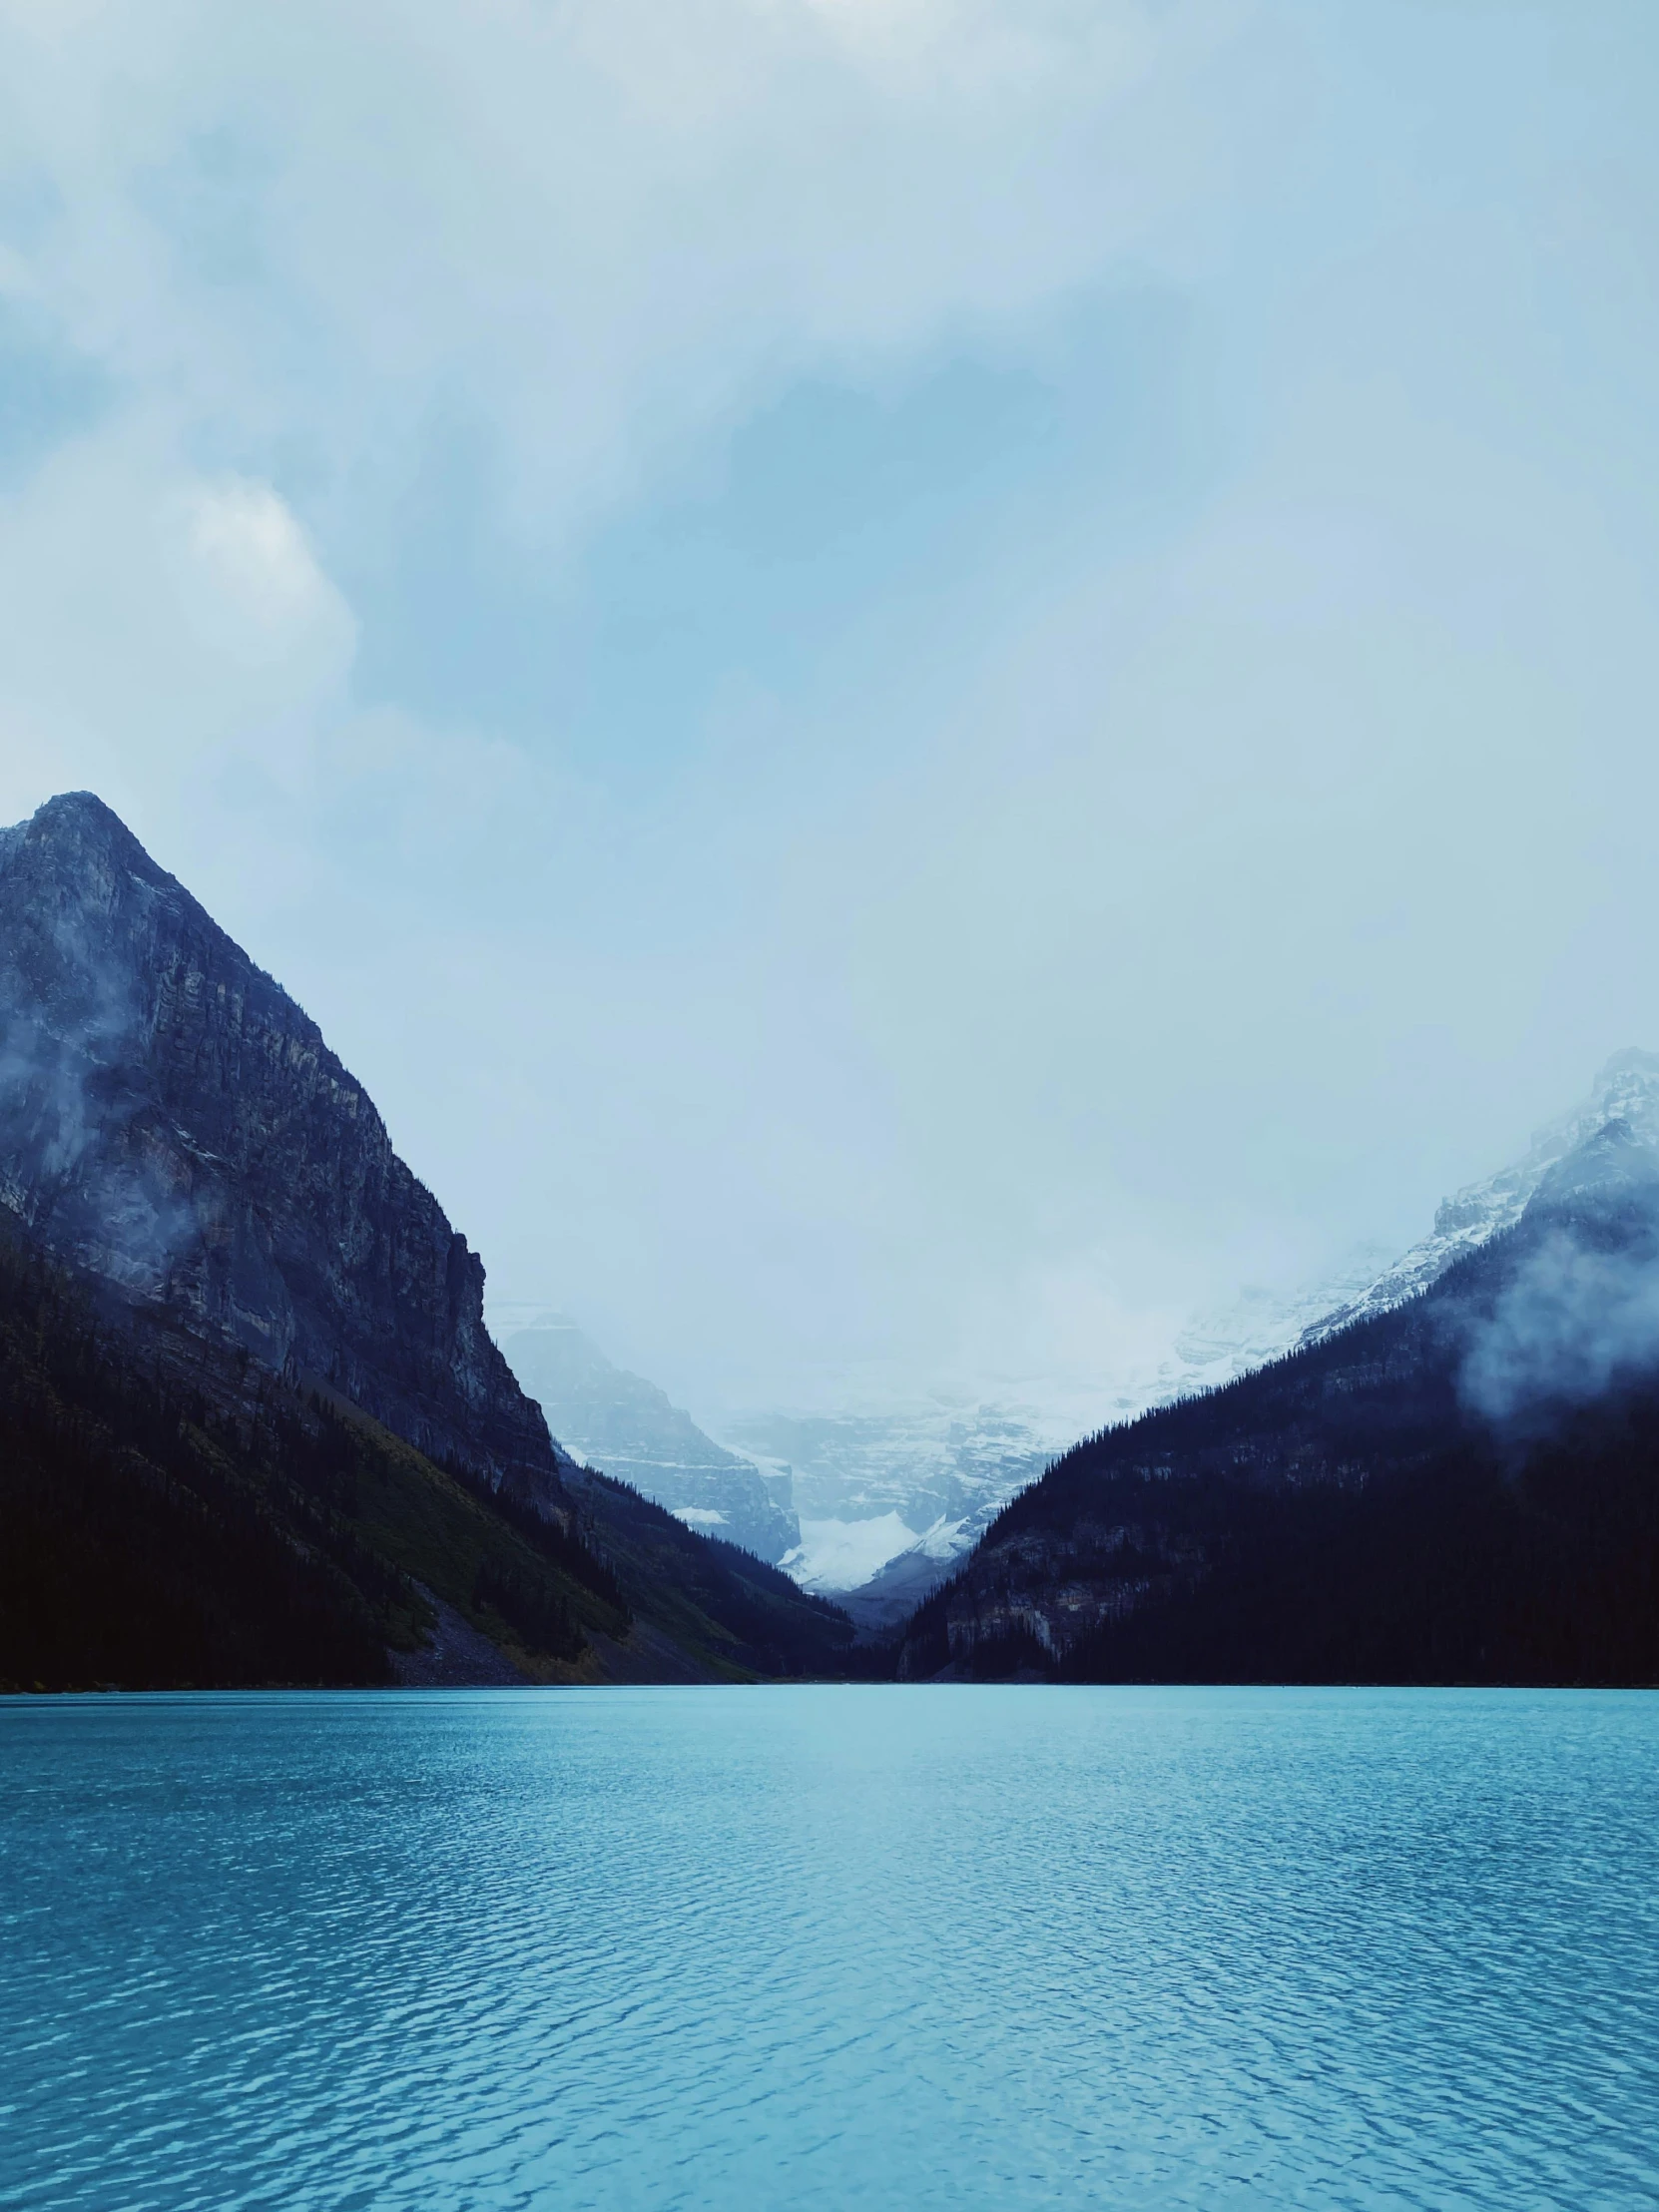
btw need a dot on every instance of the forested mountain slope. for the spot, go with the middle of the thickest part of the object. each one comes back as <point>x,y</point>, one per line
<point>172,1513</point>
<point>251,1424</point>
<point>1466,1488</point>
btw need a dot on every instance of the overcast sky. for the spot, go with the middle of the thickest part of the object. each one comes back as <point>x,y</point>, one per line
<point>915,680</point>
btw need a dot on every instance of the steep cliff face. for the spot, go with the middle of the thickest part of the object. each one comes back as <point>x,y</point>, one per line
<point>172,1122</point>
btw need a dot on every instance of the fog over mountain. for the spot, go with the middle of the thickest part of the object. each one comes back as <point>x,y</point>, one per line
<point>953,674</point>
<point>1454,1488</point>
<point>892,1499</point>
<point>1626,1090</point>
<point>619,1422</point>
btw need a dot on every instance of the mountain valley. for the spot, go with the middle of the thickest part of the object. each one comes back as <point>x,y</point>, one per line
<point>259,1430</point>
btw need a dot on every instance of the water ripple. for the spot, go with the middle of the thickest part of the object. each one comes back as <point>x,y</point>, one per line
<point>821,1949</point>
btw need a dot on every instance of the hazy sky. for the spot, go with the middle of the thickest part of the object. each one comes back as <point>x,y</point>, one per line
<point>915,680</point>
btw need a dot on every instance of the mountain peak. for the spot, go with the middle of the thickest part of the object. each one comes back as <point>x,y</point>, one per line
<point>1622,1108</point>
<point>80,806</point>
<point>1631,1061</point>
<point>1626,1089</point>
<point>172,1122</point>
<point>83,820</point>
<point>1612,1169</point>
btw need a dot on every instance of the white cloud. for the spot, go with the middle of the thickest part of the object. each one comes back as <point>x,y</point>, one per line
<point>243,537</point>
<point>1154,886</point>
<point>597,228</point>
<point>152,619</point>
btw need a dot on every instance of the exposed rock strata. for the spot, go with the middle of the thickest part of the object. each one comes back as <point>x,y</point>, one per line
<point>173,1122</point>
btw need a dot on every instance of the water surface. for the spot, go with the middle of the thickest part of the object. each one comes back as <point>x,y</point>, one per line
<point>826,1948</point>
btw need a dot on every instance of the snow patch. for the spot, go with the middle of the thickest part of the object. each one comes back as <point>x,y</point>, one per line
<point>1626,1090</point>
<point>841,1555</point>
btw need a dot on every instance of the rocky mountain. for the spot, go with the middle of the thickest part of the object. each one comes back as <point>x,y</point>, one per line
<point>891,1504</point>
<point>172,1513</point>
<point>1626,1090</point>
<point>1459,1489</point>
<point>173,1123</point>
<point>889,1499</point>
<point>255,1428</point>
<point>893,1496</point>
<point>626,1425</point>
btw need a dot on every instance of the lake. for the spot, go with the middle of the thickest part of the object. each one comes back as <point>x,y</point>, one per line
<point>817,1948</point>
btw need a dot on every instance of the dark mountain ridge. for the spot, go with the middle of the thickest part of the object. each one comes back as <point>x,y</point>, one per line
<point>172,1122</point>
<point>1464,1488</point>
<point>174,1515</point>
<point>252,1426</point>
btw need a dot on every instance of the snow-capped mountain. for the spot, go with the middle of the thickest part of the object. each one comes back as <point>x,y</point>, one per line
<point>626,1427</point>
<point>1627,1090</point>
<point>890,1500</point>
<point>892,1497</point>
<point>873,1484</point>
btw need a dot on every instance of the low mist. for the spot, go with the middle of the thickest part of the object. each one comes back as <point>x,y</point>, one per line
<point>1574,1324</point>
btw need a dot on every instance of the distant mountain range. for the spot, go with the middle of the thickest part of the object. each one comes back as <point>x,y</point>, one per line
<point>619,1422</point>
<point>888,1500</point>
<point>1460,1486</point>
<point>256,1429</point>
<point>1626,1090</point>
<point>892,1502</point>
<point>255,1426</point>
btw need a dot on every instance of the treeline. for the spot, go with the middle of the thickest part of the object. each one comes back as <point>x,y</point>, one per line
<point>142,1545</point>
<point>739,1614</point>
<point>1474,1566</point>
<point>573,1549</point>
<point>542,1620</point>
<point>173,1515</point>
<point>1337,1516</point>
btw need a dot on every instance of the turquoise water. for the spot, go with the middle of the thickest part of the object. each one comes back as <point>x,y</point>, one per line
<point>824,1947</point>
